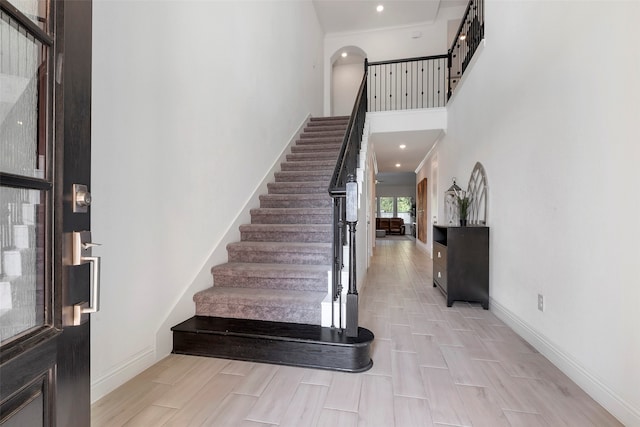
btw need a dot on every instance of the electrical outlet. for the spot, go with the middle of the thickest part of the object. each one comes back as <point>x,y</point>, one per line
<point>540,302</point>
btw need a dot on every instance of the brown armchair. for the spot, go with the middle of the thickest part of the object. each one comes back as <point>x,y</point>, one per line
<point>396,226</point>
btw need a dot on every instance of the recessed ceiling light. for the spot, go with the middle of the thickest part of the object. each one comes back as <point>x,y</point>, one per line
<point>403,146</point>
<point>398,165</point>
<point>380,8</point>
<point>462,36</point>
<point>344,54</point>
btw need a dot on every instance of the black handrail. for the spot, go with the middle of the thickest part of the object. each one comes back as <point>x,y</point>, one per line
<point>345,172</point>
<point>419,58</point>
<point>470,34</point>
<point>348,157</point>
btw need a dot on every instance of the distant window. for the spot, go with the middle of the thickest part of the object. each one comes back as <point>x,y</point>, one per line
<point>386,207</point>
<point>404,208</point>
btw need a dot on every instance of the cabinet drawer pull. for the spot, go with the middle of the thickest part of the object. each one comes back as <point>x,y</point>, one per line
<point>439,275</point>
<point>439,255</point>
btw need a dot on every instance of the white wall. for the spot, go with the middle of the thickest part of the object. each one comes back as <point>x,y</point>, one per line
<point>553,117</point>
<point>345,84</point>
<point>390,43</point>
<point>192,104</point>
<point>395,190</point>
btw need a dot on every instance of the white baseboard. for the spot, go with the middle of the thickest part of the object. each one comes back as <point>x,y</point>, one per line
<point>600,392</point>
<point>123,373</point>
<point>423,247</point>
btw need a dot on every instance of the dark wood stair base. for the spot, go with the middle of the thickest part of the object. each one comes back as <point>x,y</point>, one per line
<point>293,344</point>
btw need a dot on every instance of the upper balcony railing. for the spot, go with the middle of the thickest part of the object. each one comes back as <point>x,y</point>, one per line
<point>406,84</point>
<point>470,34</point>
<point>426,82</point>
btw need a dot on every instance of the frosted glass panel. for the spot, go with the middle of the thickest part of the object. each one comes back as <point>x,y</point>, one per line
<point>21,69</point>
<point>22,227</point>
<point>36,10</point>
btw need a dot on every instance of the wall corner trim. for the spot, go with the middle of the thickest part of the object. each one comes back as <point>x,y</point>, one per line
<point>600,392</point>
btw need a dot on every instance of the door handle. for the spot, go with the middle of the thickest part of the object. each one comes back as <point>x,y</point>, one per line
<point>82,255</point>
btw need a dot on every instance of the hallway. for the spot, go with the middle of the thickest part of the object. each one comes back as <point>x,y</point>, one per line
<point>433,366</point>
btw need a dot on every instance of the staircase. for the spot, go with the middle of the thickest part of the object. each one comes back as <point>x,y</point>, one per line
<point>270,291</point>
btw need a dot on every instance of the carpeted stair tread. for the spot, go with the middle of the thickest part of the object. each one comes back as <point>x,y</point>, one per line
<point>291,215</point>
<point>249,269</point>
<point>312,248</point>
<point>302,187</point>
<point>285,218</point>
<point>280,252</point>
<point>299,277</point>
<point>329,118</point>
<point>263,297</point>
<point>300,200</point>
<point>324,140</point>
<point>286,233</point>
<point>325,165</point>
<point>260,304</point>
<point>329,122</point>
<point>306,148</point>
<point>321,155</point>
<point>290,211</point>
<point>326,128</point>
<point>308,175</point>
<point>323,134</point>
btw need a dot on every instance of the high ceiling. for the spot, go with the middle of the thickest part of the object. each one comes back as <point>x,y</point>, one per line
<point>357,15</point>
<point>389,153</point>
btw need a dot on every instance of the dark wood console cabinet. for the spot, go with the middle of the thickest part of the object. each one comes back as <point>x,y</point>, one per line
<point>461,263</point>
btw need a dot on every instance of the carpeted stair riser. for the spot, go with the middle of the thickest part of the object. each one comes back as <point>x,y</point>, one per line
<point>323,134</point>
<point>317,200</point>
<point>271,276</point>
<point>318,125</point>
<point>334,140</point>
<point>300,176</point>
<point>291,216</point>
<point>280,252</point>
<point>307,187</point>
<point>306,233</point>
<point>329,118</point>
<point>260,304</point>
<point>326,128</point>
<point>315,122</point>
<point>324,165</point>
<point>322,155</point>
<point>256,312</point>
<point>331,147</point>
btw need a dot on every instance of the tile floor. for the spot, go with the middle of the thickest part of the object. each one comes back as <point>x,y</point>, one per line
<point>433,366</point>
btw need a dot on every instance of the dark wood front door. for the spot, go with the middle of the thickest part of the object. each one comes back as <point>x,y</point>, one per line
<point>45,140</point>
<point>421,211</point>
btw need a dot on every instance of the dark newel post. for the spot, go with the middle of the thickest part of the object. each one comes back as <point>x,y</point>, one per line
<point>352,219</point>
<point>449,73</point>
<point>334,268</point>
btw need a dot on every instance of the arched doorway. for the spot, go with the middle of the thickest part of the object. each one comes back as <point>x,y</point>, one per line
<point>347,68</point>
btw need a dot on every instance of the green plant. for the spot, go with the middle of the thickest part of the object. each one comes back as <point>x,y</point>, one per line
<point>464,203</point>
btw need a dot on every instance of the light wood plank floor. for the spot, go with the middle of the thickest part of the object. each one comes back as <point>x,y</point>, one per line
<point>433,366</point>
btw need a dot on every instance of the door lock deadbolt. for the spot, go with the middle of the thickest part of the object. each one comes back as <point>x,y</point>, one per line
<point>81,198</point>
